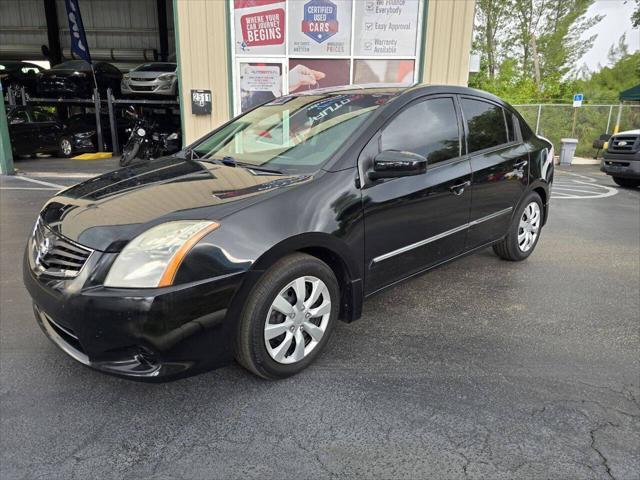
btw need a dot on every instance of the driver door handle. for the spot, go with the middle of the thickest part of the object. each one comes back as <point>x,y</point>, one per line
<point>459,188</point>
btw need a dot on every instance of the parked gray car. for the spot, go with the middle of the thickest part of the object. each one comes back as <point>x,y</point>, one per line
<point>158,78</point>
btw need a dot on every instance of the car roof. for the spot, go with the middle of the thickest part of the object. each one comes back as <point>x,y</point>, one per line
<point>414,90</point>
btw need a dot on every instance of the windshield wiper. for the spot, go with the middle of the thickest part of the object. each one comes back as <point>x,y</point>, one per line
<point>232,162</point>
<point>190,154</point>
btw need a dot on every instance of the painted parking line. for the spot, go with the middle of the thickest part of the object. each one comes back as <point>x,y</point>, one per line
<point>573,186</point>
<point>62,175</point>
<point>44,185</point>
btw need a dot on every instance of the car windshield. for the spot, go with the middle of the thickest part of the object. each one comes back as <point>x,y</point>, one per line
<point>293,134</point>
<point>72,65</point>
<point>156,67</point>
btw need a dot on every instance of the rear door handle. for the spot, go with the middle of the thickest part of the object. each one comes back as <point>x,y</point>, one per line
<point>459,188</point>
<point>521,164</point>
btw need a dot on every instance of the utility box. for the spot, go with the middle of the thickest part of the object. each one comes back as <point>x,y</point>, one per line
<point>567,150</point>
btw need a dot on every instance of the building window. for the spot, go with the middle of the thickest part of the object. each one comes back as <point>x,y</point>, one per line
<point>286,46</point>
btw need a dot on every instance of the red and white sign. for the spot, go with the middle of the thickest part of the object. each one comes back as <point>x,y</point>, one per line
<point>260,27</point>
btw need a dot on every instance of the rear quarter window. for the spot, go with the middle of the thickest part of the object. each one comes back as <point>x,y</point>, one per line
<point>485,123</point>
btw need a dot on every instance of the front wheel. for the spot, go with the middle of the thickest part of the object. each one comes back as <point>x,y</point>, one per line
<point>524,231</point>
<point>129,153</point>
<point>288,317</point>
<point>627,182</point>
<point>65,147</point>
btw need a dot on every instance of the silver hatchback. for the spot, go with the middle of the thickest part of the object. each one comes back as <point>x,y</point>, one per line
<point>158,78</point>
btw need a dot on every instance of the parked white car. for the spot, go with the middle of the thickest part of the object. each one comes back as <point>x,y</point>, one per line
<point>157,78</point>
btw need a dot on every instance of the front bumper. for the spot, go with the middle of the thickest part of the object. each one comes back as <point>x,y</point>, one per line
<point>151,86</point>
<point>143,334</point>
<point>621,165</point>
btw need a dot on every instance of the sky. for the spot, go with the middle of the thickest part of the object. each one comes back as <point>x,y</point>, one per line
<point>617,21</point>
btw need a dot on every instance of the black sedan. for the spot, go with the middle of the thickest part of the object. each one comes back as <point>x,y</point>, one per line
<point>80,133</point>
<point>16,75</point>
<point>33,130</point>
<point>255,240</point>
<point>75,79</point>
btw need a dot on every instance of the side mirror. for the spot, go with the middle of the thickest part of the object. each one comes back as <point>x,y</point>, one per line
<point>393,164</point>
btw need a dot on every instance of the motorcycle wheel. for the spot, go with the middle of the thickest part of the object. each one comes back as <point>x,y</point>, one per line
<point>129,153</point>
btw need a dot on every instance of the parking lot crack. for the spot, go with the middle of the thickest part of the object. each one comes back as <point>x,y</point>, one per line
<point>603,458</point>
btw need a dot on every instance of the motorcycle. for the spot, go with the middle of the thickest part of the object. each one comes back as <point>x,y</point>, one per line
<point>146,142</point>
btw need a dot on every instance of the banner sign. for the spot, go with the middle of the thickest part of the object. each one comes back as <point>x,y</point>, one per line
<point>79,45</point>
<point>260,27</point>
<point>320,27</point>
<point>386,27</point>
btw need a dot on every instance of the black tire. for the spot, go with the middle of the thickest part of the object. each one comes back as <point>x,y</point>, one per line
<point>251,351</point>
<point>65,147</point>
<point>129,153</point>
<point>627,182</point>
<point>508,248</point>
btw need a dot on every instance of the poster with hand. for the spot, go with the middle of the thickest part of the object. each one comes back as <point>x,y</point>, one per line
<point>312,73</point>
<point>319,27</point>
<point>386,27</point>
<point>259,27</point>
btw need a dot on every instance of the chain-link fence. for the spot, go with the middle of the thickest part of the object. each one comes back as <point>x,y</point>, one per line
<point>556,121</point>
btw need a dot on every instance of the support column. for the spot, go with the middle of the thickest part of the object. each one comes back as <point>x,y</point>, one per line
<point>163,30</point>
<point>53,32</point>
<point>6,156</point>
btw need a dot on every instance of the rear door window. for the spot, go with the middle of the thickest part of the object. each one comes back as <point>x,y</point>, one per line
<point>429,128</point>
<point>486,124</point>
<point>42,116</point>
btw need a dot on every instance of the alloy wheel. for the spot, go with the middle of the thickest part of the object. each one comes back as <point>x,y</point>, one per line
<point>297,319</point>
<point>65,146</point>
<point>529,226</point>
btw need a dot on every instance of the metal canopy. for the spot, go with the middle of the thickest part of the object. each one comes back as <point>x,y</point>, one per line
<point>631,95</point>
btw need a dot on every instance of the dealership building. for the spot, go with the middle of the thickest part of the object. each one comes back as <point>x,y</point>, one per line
<point>234,54</point>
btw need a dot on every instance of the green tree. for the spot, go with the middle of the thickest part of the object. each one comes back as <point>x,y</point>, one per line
<point>530,47</point>
<point>635,18</point>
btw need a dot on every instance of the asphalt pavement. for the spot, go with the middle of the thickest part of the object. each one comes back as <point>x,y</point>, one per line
<point>480,369</point>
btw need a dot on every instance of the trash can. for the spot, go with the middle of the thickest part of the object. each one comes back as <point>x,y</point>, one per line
<point>567,149</point>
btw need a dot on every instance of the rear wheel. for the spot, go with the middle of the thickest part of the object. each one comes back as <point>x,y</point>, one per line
<point>524,231</point>
<point>627,182</point>
<point>288,317</point>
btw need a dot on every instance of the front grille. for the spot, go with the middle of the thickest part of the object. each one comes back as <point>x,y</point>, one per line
<point>142,88</point>
<point>624,144</point>
<point>67,334</point>
<point>55,255</point>
<point>64,337</point>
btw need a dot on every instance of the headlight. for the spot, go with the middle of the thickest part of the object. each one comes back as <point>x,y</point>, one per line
<point>141,132</point>
<point>152,258</point>
<point>84,134</point>
<point>173,136</point>
<point>166,77</point>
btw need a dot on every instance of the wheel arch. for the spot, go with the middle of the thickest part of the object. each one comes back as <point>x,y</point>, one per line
<point>332,251</point>
<point>542,189</point>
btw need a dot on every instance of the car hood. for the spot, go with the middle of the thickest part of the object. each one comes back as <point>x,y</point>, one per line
<point>628,132</point>
<point>104,213</point>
